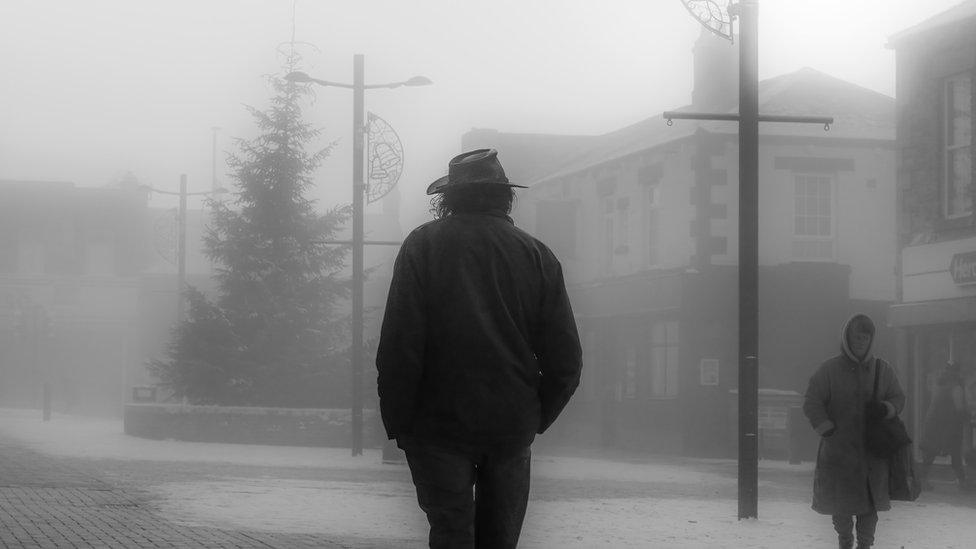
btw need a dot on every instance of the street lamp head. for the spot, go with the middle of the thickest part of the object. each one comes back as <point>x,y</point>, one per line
<point>298,76</point>
<point>418,81</point>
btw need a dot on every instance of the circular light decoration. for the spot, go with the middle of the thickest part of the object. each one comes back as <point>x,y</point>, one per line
<point>711,16</point>
<point>385,157</point>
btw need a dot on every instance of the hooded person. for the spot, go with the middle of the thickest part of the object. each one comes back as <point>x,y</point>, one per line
<point>849,482</point>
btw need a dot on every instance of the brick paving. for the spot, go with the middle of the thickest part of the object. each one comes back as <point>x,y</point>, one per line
<point>57,502</point>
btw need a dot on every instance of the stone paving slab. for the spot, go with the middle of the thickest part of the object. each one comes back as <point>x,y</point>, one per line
<point>56,502</point>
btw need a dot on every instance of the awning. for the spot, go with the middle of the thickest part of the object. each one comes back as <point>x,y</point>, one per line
<point>941,311</point>
<point>628,296</point>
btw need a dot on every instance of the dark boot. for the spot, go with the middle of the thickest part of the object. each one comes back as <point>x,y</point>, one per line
<point>845,542</point>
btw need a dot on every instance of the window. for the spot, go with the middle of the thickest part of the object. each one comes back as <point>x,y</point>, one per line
<point>813,225</point>
<point>650,174</point>
<point>623,222</point>
<point>651,240</point>
<point>63,249</point>
<point>555,224</point>
<point>608,236</point>
<point>9,249</point>
<point>630,374</point>
<point>958,200</point>
<point>101,256</point>
<point>663,361</point>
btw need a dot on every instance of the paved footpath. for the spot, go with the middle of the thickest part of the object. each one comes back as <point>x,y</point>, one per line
<point>57,502</point>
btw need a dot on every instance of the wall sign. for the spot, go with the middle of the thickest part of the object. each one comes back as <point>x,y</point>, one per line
<point>709,371</point>
<point>963,268</point>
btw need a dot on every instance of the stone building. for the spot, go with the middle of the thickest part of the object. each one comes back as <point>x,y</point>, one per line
<point>936,316</point>
<point>70,265</point>
<point>644,220</point>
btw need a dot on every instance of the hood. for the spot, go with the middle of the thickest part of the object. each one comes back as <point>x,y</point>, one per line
<point>845,338</point>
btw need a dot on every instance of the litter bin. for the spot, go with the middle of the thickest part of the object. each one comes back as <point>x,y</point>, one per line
<point>143,393</point>
<point>774,421</point>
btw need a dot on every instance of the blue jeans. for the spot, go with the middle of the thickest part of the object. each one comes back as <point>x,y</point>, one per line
<point>473,498</point>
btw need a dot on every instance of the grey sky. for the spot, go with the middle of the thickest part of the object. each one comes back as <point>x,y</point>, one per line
<point>92,88</point>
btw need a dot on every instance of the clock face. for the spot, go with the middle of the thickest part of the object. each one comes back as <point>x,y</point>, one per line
<point>384,157</point>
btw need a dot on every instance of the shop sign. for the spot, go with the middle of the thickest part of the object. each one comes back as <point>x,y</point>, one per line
<point>963,268</point>
<point>709,371</point>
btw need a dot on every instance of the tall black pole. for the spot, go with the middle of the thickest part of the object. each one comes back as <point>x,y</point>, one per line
<point>181,251</point>
<point>748,259</point>
<point>358,191</point>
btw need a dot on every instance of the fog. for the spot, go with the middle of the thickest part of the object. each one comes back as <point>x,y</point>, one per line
<point>100,100</point>
<point>110,87</point>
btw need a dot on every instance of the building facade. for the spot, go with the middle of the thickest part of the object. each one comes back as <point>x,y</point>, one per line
<point>645,224</point>
<point>936,316</point>
<point>70,266</point>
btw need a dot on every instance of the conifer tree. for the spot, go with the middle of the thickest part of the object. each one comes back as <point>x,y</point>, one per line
<point>272,336</point>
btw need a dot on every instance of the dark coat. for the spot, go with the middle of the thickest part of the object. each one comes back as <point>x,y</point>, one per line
<point>847,479</point>
<point>479,344</point>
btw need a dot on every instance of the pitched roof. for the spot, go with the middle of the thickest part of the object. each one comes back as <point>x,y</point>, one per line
<point>955,14</point>
<point>859,113</point>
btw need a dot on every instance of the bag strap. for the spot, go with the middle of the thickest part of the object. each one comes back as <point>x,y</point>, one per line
<point>877,374</point>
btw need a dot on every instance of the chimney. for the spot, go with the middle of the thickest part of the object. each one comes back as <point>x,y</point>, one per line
<point>716,85</point>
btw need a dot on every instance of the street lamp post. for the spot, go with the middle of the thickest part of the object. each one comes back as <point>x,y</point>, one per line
<point>720,22</point>
<point>358,195</point>
<point>181,238</point>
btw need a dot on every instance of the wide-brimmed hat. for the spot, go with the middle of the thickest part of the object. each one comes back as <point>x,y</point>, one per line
<point>480,166</point>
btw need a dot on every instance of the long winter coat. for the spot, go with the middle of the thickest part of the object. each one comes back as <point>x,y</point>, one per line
<point>479,344</point>
<point>847,479</point>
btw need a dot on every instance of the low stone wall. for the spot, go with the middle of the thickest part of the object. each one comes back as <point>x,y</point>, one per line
<point>250,425</point>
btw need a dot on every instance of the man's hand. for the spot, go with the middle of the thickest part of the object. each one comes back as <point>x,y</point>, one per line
<point>875,410</point>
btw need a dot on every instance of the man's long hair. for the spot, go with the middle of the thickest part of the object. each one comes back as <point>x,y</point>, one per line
<point>473,198</point>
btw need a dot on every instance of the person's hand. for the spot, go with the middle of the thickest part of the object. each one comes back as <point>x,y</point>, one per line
<point>828,432</point>
<point>875,410</point>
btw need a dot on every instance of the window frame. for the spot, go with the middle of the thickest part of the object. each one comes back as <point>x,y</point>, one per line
<point>651,224</point>
<point>668,370</point>
<point>949,148</point>
<point>608,212</point>
<point>831,238</point>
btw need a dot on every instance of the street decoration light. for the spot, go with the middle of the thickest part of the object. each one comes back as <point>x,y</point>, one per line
<point>181,237</point>
<point>719,21</point>
<point>384,154</point>
<point>358,195</point>
<point>712,16</point>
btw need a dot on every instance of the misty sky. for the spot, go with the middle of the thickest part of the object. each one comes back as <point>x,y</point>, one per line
<point>92,89</point>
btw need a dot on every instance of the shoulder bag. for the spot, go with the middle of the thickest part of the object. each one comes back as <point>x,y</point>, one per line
<point>887,438</point>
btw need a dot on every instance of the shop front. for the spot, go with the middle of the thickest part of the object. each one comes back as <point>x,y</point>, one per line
<point>936,322</point>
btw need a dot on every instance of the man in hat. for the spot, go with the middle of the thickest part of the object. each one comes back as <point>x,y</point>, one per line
<point>478,353</point>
